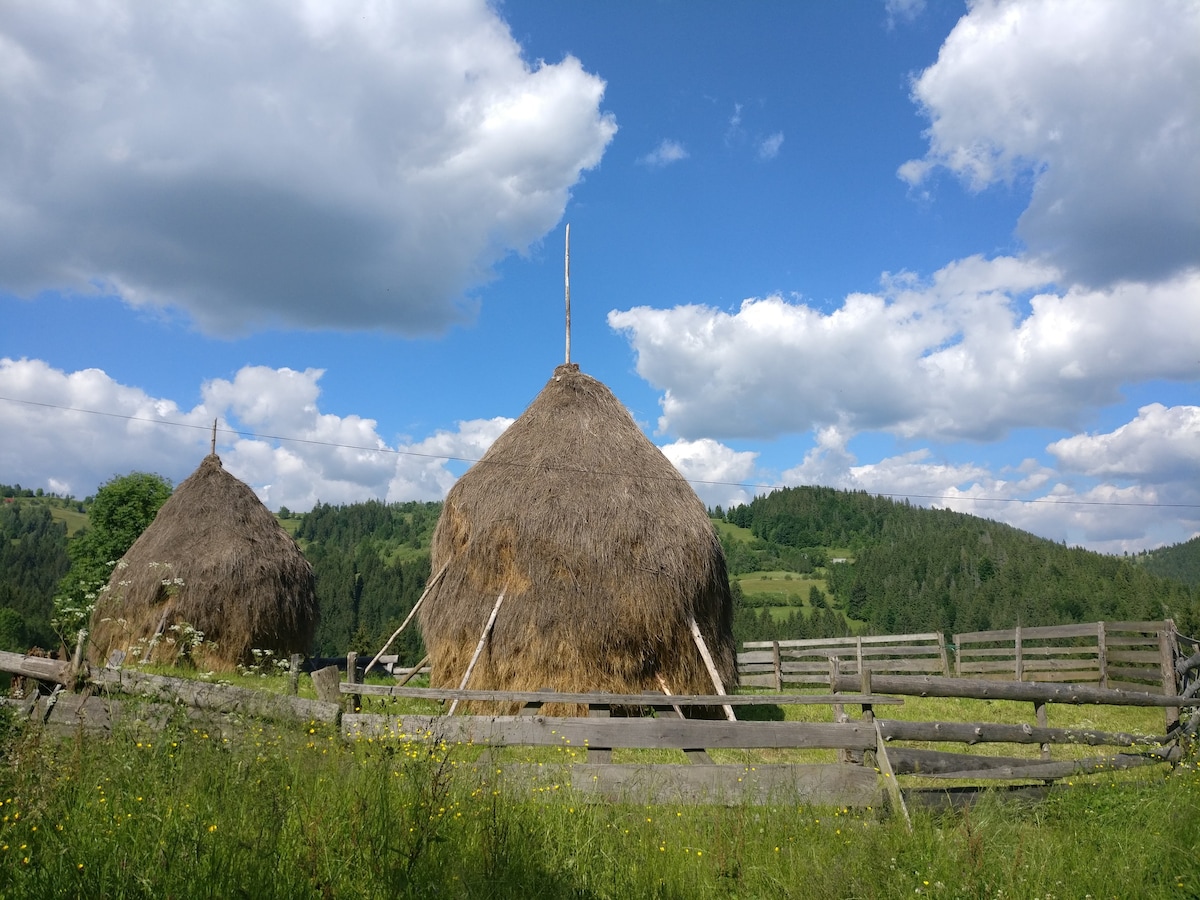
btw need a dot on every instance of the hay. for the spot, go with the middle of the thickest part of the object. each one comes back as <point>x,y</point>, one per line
<point>604,550</point>
<point>216,559</point>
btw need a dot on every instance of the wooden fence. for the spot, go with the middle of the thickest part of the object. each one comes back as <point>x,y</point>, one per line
<point>776,663</point>
<point>1130,655</point>
<point>1123,655</point>
<point>877,747</point>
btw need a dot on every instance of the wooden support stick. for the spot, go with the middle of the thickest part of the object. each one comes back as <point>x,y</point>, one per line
<point>487,629</point>
<point>412,673</point>
<point>662,683</point>
<point>567,286</point>
<point>429,587</point>
<point>889,776</point>
<point>213,447</point>
<point>712,667</point>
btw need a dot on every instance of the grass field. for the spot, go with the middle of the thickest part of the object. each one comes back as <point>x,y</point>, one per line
<point>296,813</point>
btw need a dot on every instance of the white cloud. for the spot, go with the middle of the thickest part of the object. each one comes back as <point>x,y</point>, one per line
<point>714,470</point>
<point>1095,100</point>
<point>1162,445</point>
<point>667,152</point>
<point>335,459</point>
<point>902,10</point>
<point>968,354</point>
<point>350,164</point>
<point>768,148</point>
<point>1104,516</point>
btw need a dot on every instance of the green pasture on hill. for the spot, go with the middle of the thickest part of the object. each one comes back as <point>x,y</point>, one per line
<point>783,583</point>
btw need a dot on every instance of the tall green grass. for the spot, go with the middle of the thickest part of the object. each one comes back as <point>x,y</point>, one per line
<point>295,812</point>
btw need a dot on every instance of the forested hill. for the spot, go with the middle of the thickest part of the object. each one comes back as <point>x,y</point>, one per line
<point>914,568</point>
<point>884,566</point>
<point>1179,561</point>
<point>372,562</point>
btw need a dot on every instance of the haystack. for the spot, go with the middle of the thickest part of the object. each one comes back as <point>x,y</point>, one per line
<point>214,559</point>
<point>604,553</point>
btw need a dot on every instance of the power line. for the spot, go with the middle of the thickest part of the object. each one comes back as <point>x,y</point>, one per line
<point>470,460</point>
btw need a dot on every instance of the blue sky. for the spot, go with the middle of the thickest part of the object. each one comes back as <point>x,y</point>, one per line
<point>937,250</point>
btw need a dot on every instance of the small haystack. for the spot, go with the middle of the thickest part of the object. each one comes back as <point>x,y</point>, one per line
<point>604,552</point>
<point>215,559</point>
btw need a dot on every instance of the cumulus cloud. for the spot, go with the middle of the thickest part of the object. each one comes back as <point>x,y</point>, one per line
<point>1095,101</point>
<point>326,164</point>
<point>664,154</point>
<point>272,434</point>
<point>980,348</point>
<point>714,470</point>
<point>1104,515</point>
<point>1161,445</point>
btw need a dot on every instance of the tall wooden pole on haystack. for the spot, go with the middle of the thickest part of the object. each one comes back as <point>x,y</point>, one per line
<point>213,448</point>
<point>567,285</point>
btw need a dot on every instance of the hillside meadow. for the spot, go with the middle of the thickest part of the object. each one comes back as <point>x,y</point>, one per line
<point>270,811</point>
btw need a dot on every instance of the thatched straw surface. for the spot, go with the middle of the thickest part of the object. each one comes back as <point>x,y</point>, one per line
<point>215,558</point>
<point>604,551</point>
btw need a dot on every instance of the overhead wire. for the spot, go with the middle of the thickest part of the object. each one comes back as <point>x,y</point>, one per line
<point>949,498</point>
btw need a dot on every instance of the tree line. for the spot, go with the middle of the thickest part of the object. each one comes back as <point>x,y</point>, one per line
<point>908,568</point>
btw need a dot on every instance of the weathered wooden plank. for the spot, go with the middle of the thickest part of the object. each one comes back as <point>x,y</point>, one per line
<point>765,680</point>
<point>580,732</point>
<point>221,698</point>
<point>38,667</point>
<point>907,761</point>
<point>139,719</point>
<point>817,785</point>
<point>1027,634</point>
<point>1140,627</point>
<point>979,689</point>
<point>607,699</point>
<point>756,657</point>
<point>992,733</point>
<point>1056,770</point>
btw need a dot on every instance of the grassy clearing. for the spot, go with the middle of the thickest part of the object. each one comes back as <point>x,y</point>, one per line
<point>297,813</point>
<point>779,582</point>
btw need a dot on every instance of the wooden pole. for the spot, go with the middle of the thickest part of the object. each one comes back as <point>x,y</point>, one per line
<point>487,629</point>
<point>413,672</point>
<point>711,666</point>
<point>567,286</point>
<point>412,612</point>
<point>213,448</point>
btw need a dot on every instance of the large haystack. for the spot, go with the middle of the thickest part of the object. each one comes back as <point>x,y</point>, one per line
<point>603,550</point>
<point>216,559</point>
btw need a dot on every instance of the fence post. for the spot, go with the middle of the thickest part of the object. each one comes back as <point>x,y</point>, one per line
<point>858,651</point>
<point>1102,653</point>
<point>353,701</point>
<point>941,639</point>
<point>957,657</point>
<point>1043,721</point>
<point>294,674</point>
<point>839,711</point>
<point>1019,662</point>
<point>864,685</point>
<point>1166,656</point>
<point>778,666</point>
<point>327,682</point>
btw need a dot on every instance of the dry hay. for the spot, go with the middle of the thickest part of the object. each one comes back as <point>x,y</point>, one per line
<point>215,559</point>
<point>603,550</point>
